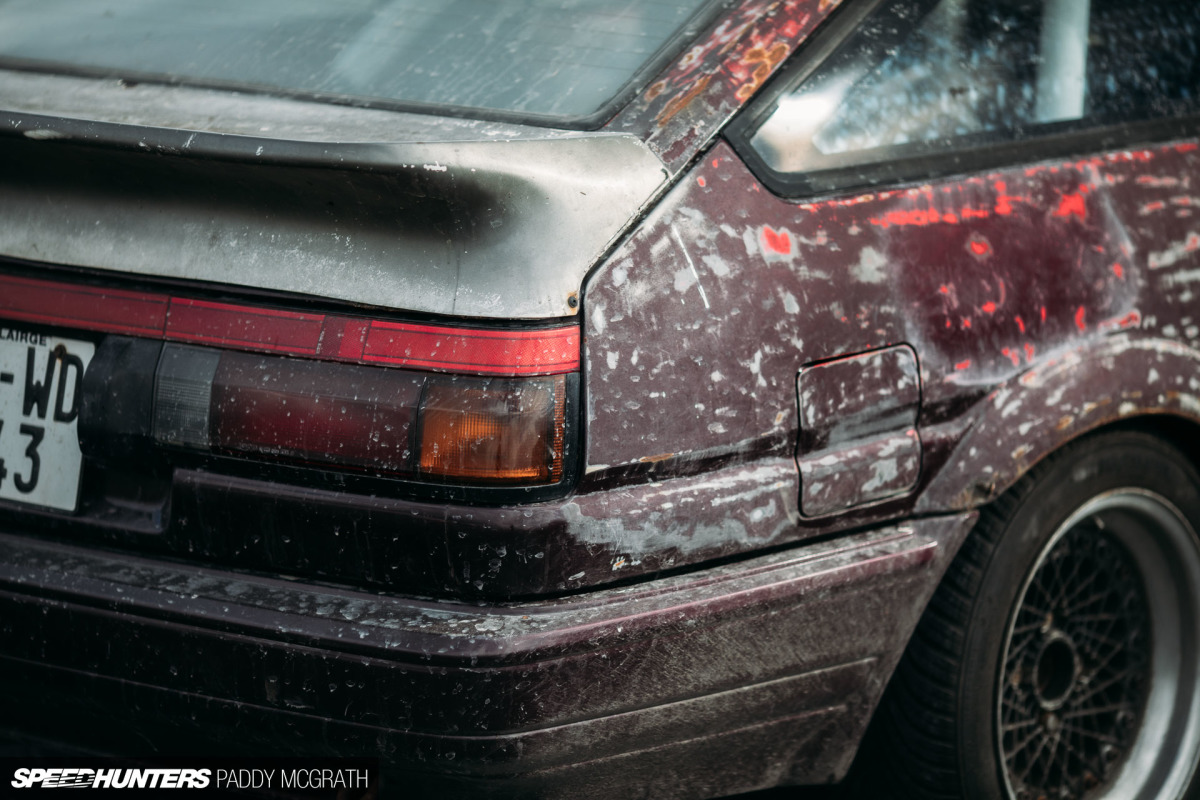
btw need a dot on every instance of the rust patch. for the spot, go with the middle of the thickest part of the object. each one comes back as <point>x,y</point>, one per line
<point>763,63</point>
<point>680,102</point>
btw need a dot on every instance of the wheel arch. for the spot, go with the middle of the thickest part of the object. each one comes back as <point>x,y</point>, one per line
<point>1121,381</point>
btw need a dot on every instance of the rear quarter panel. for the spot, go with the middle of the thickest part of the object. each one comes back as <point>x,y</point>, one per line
<point>1042,301</point>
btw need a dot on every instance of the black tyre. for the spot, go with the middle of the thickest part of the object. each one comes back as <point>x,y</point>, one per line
<point>1060,657</point>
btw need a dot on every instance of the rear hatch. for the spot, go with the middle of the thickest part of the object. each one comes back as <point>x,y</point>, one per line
<point>289,335</point>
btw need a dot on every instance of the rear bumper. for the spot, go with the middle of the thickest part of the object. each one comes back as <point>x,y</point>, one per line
<point>719,680</point>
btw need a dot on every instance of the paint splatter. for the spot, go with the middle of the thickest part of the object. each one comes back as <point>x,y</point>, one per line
<point>777,241</point>
<point>979,247</point>
<point>1072,204</point>
<point>1080,313</point>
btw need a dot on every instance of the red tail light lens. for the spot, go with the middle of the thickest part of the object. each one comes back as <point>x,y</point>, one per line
<point>310,411</point>
<point>507,431</point>
<point>458,429</point>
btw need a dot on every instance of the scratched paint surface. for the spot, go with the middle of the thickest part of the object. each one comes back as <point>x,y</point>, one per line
<point>685,105</point>
<point>1042,301</point>
<point>858,437</point>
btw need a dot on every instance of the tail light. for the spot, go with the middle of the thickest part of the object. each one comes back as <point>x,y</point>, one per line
<point>480,406</point>
<point>507,430</point>
<point>402,423</point>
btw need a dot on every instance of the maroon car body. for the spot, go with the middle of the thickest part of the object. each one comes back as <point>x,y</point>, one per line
<point>787,406</point>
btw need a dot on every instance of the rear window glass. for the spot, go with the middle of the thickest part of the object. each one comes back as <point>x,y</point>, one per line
<point>561,58</point>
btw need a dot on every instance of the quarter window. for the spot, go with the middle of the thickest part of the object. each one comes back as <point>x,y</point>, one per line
<point>917,79</point>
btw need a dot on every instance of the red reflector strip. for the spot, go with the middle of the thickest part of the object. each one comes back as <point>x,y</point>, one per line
<point>484,351</point>
<point>90,307</point>
<point>199,321</point>
<point>479,351</point>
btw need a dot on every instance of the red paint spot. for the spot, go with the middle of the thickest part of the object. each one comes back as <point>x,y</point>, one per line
<point>702,182</point>
<point>980,247</point>
<point>1011,356</point>
<point>966,322</point>
<point>1119,271</point>
<point>1190,147</point>
<point>1029,353</point>
<point>1079,315</point>
<point>1072,204</point>
<point>716,163</point>
<point>779,242</point>
<point>1192,244</point>
<point>1004,199</point>
<point>975,213</point>
<point>989,307</point>
<point>918,217</point>
<point>1043,313</point>
<point>948,323</point>
<point>960,366</point>
<point>950,218</point>
<point>1020,323</point>
<point>1157,205</point>
<point>943,289</point>
<point>1131,320</point>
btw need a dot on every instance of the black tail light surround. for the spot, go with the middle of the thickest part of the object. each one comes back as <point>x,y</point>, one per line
<point>479,414</point>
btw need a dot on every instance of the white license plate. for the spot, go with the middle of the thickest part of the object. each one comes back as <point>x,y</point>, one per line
<point>40,380</point>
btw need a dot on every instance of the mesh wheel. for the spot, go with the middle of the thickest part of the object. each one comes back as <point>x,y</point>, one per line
<point>1060,657</point>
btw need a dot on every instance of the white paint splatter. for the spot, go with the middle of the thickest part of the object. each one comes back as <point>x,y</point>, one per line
<point>692,266</point>
<point>755,367</point>
<point>870,266</point>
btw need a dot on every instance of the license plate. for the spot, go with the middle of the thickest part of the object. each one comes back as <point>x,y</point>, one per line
<point>40,382</point>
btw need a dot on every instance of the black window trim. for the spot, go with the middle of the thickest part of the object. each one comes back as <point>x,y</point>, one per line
<point>915,164</point>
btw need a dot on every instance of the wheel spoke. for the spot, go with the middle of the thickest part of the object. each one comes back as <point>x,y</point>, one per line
<point>1092,734</point>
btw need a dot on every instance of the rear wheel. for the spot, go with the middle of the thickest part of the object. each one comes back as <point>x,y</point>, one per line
<point>1060,658</point>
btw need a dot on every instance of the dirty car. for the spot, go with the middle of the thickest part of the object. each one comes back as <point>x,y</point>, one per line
<point>600,398</point>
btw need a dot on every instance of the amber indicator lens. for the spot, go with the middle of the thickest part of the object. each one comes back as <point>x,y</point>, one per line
<point>493,430</point>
